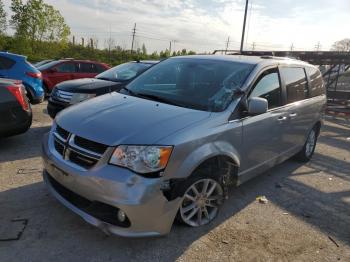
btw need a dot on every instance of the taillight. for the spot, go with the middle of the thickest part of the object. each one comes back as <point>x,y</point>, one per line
<point>18,92</point>
<point>34,75</point>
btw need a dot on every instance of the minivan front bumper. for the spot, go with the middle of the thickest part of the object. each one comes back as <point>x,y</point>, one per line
<point>147,209</point>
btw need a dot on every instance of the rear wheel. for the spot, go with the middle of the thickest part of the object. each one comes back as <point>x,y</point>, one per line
<point>309,147</point>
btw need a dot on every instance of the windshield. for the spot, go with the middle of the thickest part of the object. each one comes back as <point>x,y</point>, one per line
<point>48,65</point>
<point>124,72</point>
<point>202,84</point>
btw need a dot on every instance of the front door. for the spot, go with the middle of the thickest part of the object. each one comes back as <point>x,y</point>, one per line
<point>262,134</point>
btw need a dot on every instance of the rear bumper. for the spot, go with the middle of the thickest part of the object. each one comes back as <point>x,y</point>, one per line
<point>147,209</point>
<point>17,122</point>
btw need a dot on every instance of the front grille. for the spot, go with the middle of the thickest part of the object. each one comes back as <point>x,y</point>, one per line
<point>61,96</point>
<point>90,145</point>
<point>83,152</point>
<point>96,209</point>
<point>63,133</point>
<point>82,160</point>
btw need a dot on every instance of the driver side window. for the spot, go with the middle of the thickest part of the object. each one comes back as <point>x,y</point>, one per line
<point>268,86</point>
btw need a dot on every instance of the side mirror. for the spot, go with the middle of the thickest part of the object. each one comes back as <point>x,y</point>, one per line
<point>257,106</point>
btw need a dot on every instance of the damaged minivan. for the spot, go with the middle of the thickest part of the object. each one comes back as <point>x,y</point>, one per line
<point>171,143</point>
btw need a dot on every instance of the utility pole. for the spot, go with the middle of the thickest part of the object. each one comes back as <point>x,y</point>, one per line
<point>133,38</point>
<point>82,41</point>
<point>73,40</point>
<point>253,46</point>
<point>227,44</point>
<point>292,47</point>
<point>318,46</point>
<point>170,48</point>
<point>244,22</point>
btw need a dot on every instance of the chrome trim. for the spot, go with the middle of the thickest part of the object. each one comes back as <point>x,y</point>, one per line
<point>90,153</point>
<point>62,95</point>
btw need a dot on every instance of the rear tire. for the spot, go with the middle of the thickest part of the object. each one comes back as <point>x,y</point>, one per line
<point>309,147</point>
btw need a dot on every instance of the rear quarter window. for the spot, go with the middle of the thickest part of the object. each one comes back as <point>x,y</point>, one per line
<point>100,68</point>
<point>316,81</point>
<point>6,63</point>
<point>296,83</point>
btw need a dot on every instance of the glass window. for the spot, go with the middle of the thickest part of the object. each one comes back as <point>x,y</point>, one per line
<point>316,81</point>
<point>296,83</point>
<point>99,68</point>
<point>6,63</point>
<point>86,68</point>
<point>124,72</point>
<point>66,68</point>
<point>268,87</point>
<point>202,84</point>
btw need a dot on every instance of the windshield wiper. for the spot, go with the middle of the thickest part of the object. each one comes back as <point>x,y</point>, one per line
<point>129,91</point>
<point>159,99</point>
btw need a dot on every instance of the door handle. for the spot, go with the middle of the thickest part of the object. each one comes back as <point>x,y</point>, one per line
<point>293,114</point>
<point>282,118</point>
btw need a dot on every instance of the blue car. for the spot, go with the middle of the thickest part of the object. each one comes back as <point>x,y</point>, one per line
<point>17,67</point>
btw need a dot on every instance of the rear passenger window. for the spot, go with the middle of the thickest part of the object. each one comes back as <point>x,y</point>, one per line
<point>6,63</point>
<point>316,82</point>
<point>66,68</point>
<point>268,87</point>
<point>296,83</point>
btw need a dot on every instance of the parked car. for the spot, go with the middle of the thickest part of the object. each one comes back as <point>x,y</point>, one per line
<point>58,71</point>
<point>43,62</point>
<point>75,91</point>
<point>173,140</point>
<point>15,110</point>
<point>14,66</point>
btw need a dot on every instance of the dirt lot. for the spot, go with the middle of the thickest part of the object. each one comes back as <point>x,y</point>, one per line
<point>307,217</point>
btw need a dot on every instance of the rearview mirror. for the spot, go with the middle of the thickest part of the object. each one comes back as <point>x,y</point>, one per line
<point>257,106</point>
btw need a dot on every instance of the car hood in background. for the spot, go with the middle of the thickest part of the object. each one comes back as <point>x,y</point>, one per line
<point>115,119</point>
<point>87,85</point>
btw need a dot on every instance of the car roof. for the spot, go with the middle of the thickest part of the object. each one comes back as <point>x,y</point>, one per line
<point>247,59</point>
<point>78,60</point>
<point>12,55</point>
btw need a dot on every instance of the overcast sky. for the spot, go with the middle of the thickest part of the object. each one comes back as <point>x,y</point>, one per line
<point>205,25</point>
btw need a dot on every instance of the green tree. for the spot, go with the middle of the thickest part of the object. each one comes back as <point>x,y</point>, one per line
<point>37,21</point>
<point>3,25</point>
<point>342,45</point>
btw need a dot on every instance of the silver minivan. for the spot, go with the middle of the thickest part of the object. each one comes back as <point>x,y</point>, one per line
<point>172,142</point>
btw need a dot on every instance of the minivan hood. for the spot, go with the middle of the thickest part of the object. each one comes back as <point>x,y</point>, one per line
<point>115,119</point>
<point>86,85</point>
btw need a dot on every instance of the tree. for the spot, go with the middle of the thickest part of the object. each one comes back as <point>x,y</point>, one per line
<point>3,25</point>
<point>37,21</point>
<point>144,50</point>
<point>342,45</point>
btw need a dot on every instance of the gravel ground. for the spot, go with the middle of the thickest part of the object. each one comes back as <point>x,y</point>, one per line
<point>307,217</point>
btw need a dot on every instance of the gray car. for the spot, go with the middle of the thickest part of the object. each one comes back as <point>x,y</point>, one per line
<point>176,138</point>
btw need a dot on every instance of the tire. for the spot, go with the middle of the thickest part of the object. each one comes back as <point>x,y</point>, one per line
<point>198,208</point>
<point>309,147</point>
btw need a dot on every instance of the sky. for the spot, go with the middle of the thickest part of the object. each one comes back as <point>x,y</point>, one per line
<point>205,25</point>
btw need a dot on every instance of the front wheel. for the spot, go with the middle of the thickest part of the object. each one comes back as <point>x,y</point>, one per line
<point>201,201</point>
<point>309,147</point>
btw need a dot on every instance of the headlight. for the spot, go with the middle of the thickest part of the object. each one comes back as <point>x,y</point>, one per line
<point>141,159</point>
<point>78,97</point>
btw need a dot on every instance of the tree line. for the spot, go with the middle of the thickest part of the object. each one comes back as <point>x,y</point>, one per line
<point>40,32</point>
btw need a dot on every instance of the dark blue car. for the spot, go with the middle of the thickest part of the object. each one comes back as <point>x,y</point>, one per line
<point>17,67</point>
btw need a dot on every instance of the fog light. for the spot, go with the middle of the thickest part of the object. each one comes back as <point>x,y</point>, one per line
<point>121,216</point>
